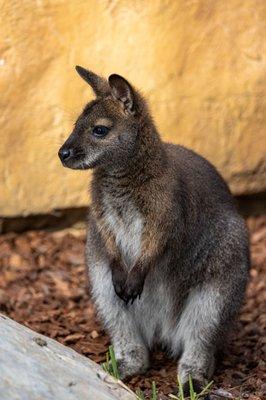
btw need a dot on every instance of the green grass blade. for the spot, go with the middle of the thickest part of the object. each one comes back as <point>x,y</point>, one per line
<point>191,389</point>
<point>180,388</point>
<point>140,394</point>
<point>113,362</point>
<point>205,389</point>
<point>104,367</point>
<point>154,391</point>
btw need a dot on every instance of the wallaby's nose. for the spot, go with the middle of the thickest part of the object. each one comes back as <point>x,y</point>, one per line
<point>65,153</point>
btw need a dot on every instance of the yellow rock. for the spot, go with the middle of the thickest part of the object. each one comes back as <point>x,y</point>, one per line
<point>199,62</point>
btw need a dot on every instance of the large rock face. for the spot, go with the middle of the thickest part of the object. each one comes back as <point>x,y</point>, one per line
<point>199,62</point>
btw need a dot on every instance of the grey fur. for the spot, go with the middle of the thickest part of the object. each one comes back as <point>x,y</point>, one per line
<point>174,232</point>
<point>189,298</point>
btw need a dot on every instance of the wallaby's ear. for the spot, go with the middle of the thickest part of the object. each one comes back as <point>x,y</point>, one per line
<point>98,84</point>
<point>123,92</point>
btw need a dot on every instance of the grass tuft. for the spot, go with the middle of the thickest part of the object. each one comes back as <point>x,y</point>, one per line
<point>140,394</point>
<point>192,394</point>
<point>154,391</point>
<point>110,365</point>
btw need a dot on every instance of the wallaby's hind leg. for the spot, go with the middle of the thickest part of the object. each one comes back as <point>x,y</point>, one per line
<point>131,354</point>
<point>198,330</point>
<point>198,362</point>
<point>130,351</point>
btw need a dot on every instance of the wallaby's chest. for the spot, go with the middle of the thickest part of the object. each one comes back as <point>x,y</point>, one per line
<point>126,224</point>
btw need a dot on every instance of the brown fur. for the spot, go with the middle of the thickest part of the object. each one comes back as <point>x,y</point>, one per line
<point>189,245</point>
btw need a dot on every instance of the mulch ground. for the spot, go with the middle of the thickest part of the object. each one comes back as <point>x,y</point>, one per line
<point>43,286</point>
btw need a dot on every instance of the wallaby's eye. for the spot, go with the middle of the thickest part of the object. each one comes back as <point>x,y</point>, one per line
<point>100,131</point>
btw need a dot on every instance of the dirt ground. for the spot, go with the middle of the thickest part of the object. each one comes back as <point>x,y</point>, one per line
<point>42,285</point>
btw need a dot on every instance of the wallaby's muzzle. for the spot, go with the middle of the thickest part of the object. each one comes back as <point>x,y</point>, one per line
<point>65,153</point>
<point>72,157</point>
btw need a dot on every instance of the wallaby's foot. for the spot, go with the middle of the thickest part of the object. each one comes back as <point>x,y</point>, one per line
<point>200,371</point>
<point>133,362</point>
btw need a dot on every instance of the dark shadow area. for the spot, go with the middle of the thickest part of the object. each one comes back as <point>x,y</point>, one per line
<point>57,220</point>
<point>253,205</point>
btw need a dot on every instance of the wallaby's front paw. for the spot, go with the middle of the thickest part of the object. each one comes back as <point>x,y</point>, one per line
<point>134,285</point>
<point>119,277</point>
<point>131,291</point>
<point>120,290</point>
<point>119,285</point>
<point>128,286</point>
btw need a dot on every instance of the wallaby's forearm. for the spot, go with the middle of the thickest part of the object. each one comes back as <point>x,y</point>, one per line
<point>129,283</point>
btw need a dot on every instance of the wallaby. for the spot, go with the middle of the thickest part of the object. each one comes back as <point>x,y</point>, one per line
<point>167,252</point>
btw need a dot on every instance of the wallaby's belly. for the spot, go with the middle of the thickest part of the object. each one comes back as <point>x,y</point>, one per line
<point>155,314</point>
<point>158,310</point>
<point>155,317</point>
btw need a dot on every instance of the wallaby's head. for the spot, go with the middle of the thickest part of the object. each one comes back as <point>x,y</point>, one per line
<point>106,131</point>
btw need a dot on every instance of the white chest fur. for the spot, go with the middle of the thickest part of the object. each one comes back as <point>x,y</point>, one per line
<point>127,227</point>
